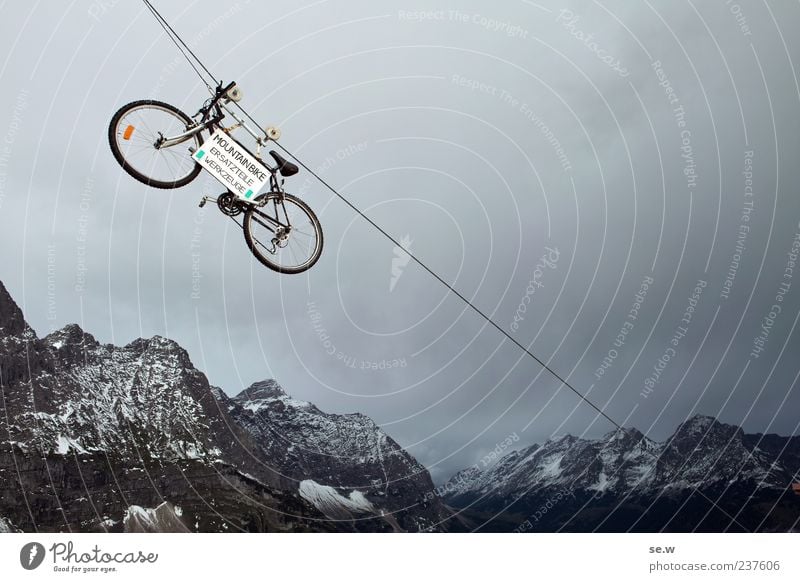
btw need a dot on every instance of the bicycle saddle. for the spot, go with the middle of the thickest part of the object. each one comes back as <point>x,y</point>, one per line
<point>286,168</point>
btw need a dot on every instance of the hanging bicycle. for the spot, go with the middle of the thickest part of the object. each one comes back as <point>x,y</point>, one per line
<point>159,145</point>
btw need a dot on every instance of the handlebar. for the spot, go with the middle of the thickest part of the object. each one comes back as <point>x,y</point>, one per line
<point>221,93</point>
<point>232,93</point>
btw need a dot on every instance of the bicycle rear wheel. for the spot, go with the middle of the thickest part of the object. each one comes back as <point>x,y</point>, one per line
<point>133,135</point>
<point>284,236</point>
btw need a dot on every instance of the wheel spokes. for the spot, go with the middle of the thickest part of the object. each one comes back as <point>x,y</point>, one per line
<point>298,248</point>
<point>136,140</point>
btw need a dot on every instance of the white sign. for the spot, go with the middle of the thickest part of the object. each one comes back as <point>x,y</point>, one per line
<point>230,163</point>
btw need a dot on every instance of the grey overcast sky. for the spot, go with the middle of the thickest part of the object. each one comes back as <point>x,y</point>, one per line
<point>623,142</point>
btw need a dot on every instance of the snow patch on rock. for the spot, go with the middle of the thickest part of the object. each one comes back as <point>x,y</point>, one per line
<point>332,503</point>
<point>65,444</point>
<point>163,519</point>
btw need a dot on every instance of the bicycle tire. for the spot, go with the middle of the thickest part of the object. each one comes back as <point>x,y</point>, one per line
<point>119,155</point>
<point>253,243</point>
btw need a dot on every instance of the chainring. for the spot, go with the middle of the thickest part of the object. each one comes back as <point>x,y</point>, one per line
<point>229,205</point>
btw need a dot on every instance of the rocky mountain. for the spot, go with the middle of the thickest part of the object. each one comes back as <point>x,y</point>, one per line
<point>708,476</point>
<point>345,465</point>
<point>97,437</point>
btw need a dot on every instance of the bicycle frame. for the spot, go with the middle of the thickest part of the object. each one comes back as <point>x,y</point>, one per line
<point>219,107</point>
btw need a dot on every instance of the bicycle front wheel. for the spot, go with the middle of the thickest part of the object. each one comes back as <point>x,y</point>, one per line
<point>284,234</point>
<point>135,134</point>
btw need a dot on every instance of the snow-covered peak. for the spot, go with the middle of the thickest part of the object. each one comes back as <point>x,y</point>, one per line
<point>261,390</point>
<point>461,482</point>
<point>70,336</point>
<point>145,399</point>
<point>268,393</point>
<point>159,345</point>
<point>698,425</point>
<point>624,434</point>
<point>705,433</point>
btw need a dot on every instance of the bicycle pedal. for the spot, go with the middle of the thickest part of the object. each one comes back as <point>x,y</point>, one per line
<point>202,202</point>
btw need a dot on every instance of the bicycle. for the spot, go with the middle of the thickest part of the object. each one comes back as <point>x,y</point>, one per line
<point>147,138</point>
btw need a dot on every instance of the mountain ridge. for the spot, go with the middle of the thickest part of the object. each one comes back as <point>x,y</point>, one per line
<point>97,437</point>
<point>139,418</point>
<point>624,480</point>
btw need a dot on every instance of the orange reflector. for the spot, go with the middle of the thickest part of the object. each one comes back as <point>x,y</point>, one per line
<point>128,133</point>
